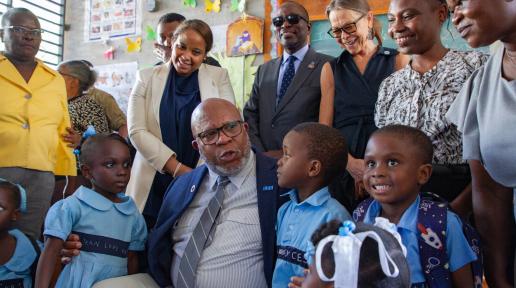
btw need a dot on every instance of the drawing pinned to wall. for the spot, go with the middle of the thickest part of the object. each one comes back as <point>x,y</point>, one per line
<point>133,45</point>
<point>117,80</point>
<point>237,5</point>
<point>273,40</point>
<point>241,74</point>
<point>109,54</point>
<point>212,6</point>
<point>112,19</point>
<point>151,33</point>
<point>245,36</point>
<point>189,3</point>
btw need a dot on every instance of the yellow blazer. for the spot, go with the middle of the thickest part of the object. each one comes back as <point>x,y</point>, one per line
<point>143,121</point>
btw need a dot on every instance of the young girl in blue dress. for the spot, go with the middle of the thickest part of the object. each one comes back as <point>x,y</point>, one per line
<point>109,224</point>
<point>18,253</point>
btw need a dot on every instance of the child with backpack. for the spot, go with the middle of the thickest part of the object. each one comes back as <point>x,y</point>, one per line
<point>18,253</point>
<point>398,162</point>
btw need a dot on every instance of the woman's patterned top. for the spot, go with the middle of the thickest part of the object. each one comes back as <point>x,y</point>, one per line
<point>85,111</point>
<point>422,100</point>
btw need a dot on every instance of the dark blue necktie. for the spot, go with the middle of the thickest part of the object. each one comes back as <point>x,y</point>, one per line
<point>287,78</point>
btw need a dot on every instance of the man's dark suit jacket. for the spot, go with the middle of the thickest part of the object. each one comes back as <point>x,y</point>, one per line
<point>268,124</point>
<point>180,194</point>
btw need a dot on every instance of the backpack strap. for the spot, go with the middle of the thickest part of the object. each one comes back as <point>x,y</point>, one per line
<point>432,223</point>
<point>361,210</point>
<point>474,242</point>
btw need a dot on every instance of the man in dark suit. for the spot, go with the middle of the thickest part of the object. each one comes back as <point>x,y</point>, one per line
<point>286,91</point>
<point>241,250</point>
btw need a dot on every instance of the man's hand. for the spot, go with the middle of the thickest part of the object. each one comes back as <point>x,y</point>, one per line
<point>71,248</point>
<point>73,138</point>
<point>163,52</point>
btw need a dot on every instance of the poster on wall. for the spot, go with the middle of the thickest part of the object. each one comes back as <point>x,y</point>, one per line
<point>117,80</point>
<point>112,19</point>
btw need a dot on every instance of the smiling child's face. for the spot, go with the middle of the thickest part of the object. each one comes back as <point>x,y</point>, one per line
<point>394,171</point>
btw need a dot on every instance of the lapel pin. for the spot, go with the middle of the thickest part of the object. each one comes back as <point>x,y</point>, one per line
<point>311,65</point>
<point>192,189</point>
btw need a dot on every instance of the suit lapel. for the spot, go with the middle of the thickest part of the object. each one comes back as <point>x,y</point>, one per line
<point>207,85</point>
<point>306,68</point>
<point>158,86</point>
<point>270,91</point>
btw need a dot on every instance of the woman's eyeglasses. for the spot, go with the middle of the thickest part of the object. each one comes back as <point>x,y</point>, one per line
<point>20,30</point>
<point>348,28</point>
<point>292,19</point>
<point>230,129</point>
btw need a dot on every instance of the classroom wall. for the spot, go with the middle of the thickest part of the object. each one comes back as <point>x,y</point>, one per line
<point>76,48</point>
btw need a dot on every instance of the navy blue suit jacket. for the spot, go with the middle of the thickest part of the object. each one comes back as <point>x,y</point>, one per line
<point>180,194</point>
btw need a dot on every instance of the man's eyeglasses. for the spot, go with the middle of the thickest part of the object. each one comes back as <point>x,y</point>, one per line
<point>230,129</point>
<point>20,30</point>
<point>292,19</point>
<point>348,28</point>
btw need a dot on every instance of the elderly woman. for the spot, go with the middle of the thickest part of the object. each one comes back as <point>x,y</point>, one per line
<point>350,83</point>
<point>84,111</point>
<point>485,112</point>
<point>160,106</point>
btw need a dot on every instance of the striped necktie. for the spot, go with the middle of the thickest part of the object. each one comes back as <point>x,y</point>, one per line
<point>204,230</point>
<point>287,78</point>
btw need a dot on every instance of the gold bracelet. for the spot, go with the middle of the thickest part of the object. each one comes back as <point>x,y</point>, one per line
<point>179,164</point>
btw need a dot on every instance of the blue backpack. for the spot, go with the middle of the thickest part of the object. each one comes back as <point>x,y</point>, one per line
<point>431,222</point>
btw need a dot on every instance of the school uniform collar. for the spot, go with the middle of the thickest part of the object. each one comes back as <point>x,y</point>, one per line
<point>99,202</point>
<point>237,179</point>
<point>408,220</point>
<point>317,199</point>
<point>22,257</point>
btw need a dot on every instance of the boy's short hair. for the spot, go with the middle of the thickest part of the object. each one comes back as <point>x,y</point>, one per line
<point>370,271</point>
<point>327,145</point>
<point>416,137</point>
<point>92,144</point>
<point>14,191</point>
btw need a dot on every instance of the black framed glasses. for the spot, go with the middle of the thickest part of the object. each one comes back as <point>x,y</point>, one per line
<point>292,19</point>
<point>348,28</point>
<point>230,129</point>
<point>20,30</point>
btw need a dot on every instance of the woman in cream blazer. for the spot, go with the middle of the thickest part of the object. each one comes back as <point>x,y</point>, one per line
<point>143,113</point>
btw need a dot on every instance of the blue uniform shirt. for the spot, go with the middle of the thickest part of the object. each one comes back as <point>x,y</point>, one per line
<point>108,231</point>
<point>18,267</point>
<point>459,251</point>
<point>296,224</point>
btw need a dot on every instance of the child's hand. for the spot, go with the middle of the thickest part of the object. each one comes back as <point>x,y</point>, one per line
<point>297,281</point>
<point>71,248</point>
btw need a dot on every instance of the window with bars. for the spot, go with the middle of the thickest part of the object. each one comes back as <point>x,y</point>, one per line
<point>51,18</point>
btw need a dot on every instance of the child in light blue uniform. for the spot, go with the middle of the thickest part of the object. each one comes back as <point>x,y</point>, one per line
<point>108,223</point>
<point>17,253</point>
<point>313,155</point>
<point>398,162</point>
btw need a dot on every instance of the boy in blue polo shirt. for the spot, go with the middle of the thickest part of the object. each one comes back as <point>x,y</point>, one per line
<point>398,162</point>
<point>313,155</point>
